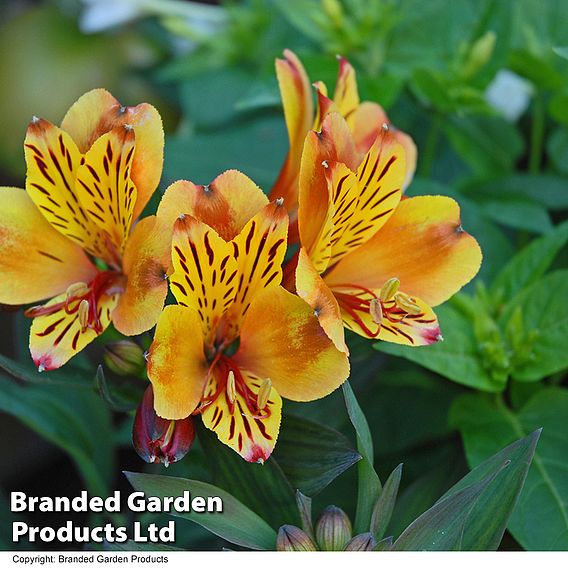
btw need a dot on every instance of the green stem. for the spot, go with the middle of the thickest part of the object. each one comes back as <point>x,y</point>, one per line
<point>430,147</point>
<point>537,134</point>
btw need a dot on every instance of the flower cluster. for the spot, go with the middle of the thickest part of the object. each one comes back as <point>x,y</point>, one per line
<point>264,287</point>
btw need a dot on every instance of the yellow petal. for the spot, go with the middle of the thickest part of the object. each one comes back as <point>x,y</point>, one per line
<point>346,95</point>
<point>250,431</point>
<point>58,336</point>
<point>177,367</point>
<point>147,258</point>
<point>259,250</point>
<point>226,204</point>
<point>423,245</point>
<point>282,339</point>
<point>296,94</point>
<point>205,276</point>
<point>97,112</point>
<point>36,261</point>
<point>311,288</point>
<point>104,185</point>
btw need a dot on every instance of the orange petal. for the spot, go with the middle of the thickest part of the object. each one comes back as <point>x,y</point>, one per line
<point>259,250</point>
<point>250,432</point>
<point>97,112</point>
<point>325,105</point>
<point>346,95</point>
<point>423,245</point>
<point>58,336</point>
<point>205,273</point>
<point>53,160</point>
<point>333,144</point>
<point>177,367</point>
<point>36,261</point>
<point>311,288</point>
<point>226,204</point>
<point>145,263</point>
<point>298,105</point>
<point>282,339</point>
<point>104,185</point>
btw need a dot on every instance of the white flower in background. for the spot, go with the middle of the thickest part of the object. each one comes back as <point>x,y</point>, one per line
<point>509,94</point>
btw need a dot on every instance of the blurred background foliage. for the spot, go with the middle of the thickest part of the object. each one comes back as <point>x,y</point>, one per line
<point>482,86</point>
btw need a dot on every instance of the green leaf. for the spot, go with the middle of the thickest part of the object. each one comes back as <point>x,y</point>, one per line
<point>473,514</point>
<point>540,520</point>
<point>109,397</point>
<point>530,264</point>
<point>312,455</point>
<point>263,488</point>
<point>133,546</point>
<point>385,504</point>
<point>456,357</point>
<point>369,484</point>
<point>236,524</point>
<point>545,317</point>
<point>73,418</point>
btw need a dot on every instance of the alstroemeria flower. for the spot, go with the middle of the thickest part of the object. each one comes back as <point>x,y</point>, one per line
<point>365,120</point>
<point>236,342</point>
<point>72,234</point>
<point>370,261</point>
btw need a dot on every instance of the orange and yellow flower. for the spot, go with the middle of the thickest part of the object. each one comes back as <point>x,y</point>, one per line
<point>371,260</point>
<point>236,342</point>
<point>72,235</point>
<point>364,119</point>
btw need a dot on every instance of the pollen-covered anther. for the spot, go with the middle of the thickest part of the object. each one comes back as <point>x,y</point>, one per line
<point>83,314</point>
<point>406,303</point>
<point>231,387</point>
<point>376,311</point>
<point>389,289</point>
<point>263,394</point>
<point>76,290</point>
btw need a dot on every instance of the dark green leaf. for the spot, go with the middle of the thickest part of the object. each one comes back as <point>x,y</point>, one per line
<point>237,523</point>
<point>132,546</point>
<point>312,455</point>
<point>305,509</point>
<point>385,504</point>
<point>106,394</point>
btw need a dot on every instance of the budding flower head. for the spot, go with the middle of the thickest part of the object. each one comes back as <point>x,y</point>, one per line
<point>333,529</point>
<point>157,440</point>
<point>294,539</point>
<point>362,543</point>
<point>124,357</point>
<point>389,289</point>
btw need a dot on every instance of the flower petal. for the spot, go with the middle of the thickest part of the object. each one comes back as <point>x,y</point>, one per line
<point>298,105</point>
<point>97,112</point>
<point>346,95</point>
<point>251,434</point>
<point>104,185</point>
<point>58,336</point>
<point>311,288</point>
<point>36,261</point>
<point>177,367</point>
<point>205,273</point>
<point>226,204</point>
<point>282,339</point>
<point>145,263</point>
<point>423,245</point>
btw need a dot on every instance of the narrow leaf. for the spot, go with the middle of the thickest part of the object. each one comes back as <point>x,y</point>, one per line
<point>384,507</point>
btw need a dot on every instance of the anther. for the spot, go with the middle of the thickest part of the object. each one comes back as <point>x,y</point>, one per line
<point>406,303</point>
<point>83,314</point>
<point>231,388</point>
<point>376,311</point>
<point>76,290</point>
<point>389,289</point>
<point>263,394</point>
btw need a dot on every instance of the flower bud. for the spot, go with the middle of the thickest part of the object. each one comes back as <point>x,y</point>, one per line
<point>124,357</point>
<point>157,440</point>
<point>333,529</point>
<point>293,539</point>
<point>362,543</point>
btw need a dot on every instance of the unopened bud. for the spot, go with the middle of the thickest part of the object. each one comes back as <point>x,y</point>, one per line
<point>333,529</point>
<point>157,440</point>
<point>406,303</point>
<point>479,53</point>
<point>231,388</point>
<point>334,11</point>
<point>76,290</point>
<point>263,394</point>
<point>83,314</point>
<point>124,357</point>
<point>376,311</point>
<point>294,539</point>
<point>389,289</point>
<point>362,543</point>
